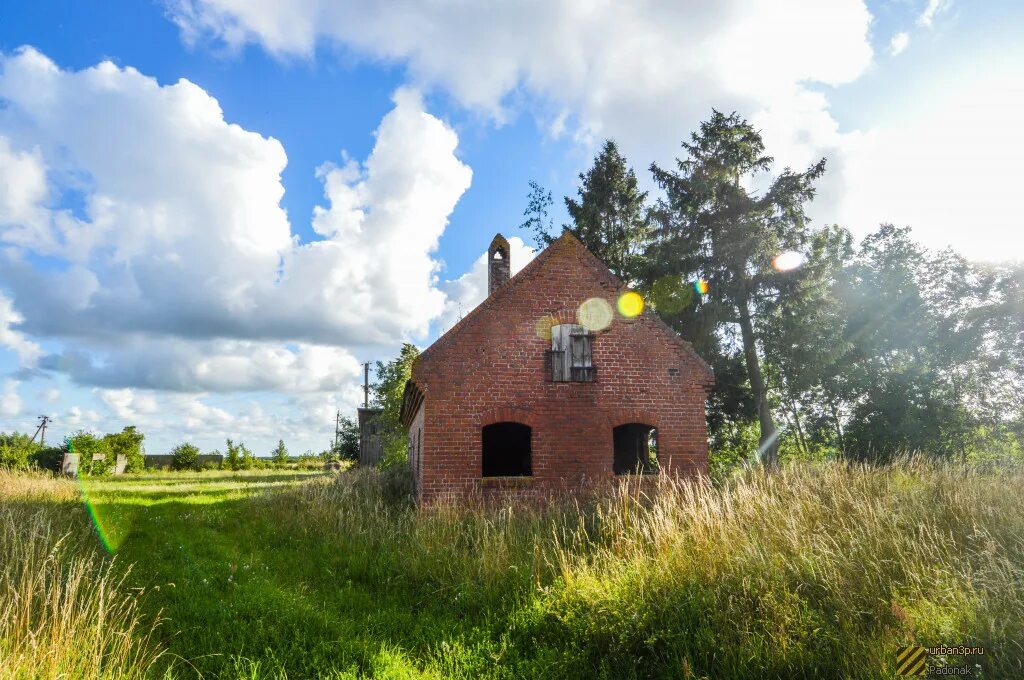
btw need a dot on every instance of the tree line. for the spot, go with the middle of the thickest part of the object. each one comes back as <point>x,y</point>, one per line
<point>98,453</point>
<point>820,345</point>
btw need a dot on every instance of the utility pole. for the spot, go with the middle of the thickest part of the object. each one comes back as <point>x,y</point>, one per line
<point>366,385</point>
<point>41,430</point>
<point>337,430</point>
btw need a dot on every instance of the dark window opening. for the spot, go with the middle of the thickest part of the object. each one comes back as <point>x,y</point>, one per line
<point>506,450</point>
<point>571,358</point>
<point>636,449</point>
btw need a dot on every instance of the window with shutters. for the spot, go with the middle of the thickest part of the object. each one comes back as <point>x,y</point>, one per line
<point>571,356</point>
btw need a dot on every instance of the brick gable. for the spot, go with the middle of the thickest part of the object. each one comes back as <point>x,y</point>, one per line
<point>491,368</point>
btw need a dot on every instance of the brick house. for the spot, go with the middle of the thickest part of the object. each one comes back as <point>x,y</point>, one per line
<point>548,384</point>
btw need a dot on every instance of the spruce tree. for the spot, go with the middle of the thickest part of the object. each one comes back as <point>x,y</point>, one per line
<point>610,216</point>
<point>711,226</point>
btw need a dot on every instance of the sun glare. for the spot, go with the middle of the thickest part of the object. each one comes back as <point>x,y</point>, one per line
<point>595,314</point>
<point>543,326</point>
<point>787,261</point>
<point>630,304</point>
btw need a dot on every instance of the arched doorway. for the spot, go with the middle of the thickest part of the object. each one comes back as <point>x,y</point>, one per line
<point>635,449</point>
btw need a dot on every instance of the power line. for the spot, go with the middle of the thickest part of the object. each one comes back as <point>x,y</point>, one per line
<point>41,430</point>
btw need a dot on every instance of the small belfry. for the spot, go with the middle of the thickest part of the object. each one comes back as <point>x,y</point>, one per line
<point>499,264</point>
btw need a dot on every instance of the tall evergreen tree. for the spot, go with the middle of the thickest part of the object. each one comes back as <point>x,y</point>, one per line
<point>711,227</point>
<point>610,217</point>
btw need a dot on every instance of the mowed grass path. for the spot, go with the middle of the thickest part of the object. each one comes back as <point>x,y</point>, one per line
<point>242,595</point>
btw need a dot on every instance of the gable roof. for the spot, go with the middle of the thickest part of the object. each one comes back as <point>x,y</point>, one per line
<point>566,240</point>
<point>647,312</point>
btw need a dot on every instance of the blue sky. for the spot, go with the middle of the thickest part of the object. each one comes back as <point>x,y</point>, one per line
<point>211,212</point>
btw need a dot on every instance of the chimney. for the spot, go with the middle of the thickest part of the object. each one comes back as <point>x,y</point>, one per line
<point>499,267</point>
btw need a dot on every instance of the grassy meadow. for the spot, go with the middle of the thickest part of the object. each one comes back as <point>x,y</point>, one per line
<point>818,571</point>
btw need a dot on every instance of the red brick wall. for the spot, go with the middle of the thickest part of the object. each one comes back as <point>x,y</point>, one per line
<point>491,368</point>
<point>416,446</point>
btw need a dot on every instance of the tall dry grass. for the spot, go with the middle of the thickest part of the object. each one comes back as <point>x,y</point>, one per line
<point>816,571</point>
<point>65,611</point>
<point>820,570</point>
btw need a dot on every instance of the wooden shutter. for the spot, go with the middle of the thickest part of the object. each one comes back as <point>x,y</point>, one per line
<point>581,353</point>
<point>561,351</point>
<point>571,353</point>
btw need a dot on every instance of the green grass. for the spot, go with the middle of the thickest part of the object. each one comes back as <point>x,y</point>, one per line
<point>819,571</point>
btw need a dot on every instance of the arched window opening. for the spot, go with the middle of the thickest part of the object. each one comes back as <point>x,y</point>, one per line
<point>636,449</point>
<point>506,450</point>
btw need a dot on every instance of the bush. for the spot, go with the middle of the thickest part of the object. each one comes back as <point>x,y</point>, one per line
<point>310,461</point>
<point>185,457</point>
<point>49,458</point>
<point>393,459</point>
<point>239,457</point>
<point>16,451</point>
<point>732,444</point>
<point>127,443</point>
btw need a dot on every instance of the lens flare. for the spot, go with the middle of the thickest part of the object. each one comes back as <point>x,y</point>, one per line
<point>595,314</point>
<point>103,532</point>
<point>784,262</point>
<point>543,326</point>
<point>701,286</point>
<point>630,304</point>
<point>670,294</point>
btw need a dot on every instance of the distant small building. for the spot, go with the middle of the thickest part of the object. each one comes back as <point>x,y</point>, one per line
<point>549,384</point>
<point>165,461</point>
<point>371,446</point>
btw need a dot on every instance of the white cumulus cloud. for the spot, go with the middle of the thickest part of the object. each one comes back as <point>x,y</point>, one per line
<point>646,73</point>
<point>10,400</point>
<point>27,351</point>
<point>899,43</point>
<point>931,10</point>
<point>470,289</point>
<point>643,72</point>
<point>181,270</point>
<point>127,403</point>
